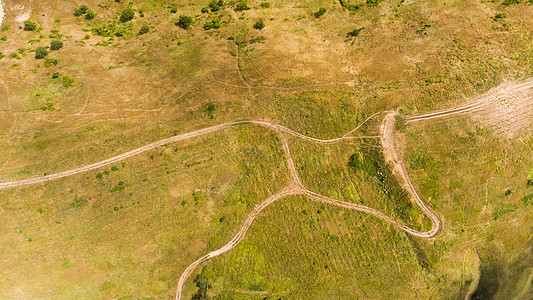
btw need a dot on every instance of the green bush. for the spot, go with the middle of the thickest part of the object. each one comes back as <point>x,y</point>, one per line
<point>202,283</point>
<point>67,81</point>
<point>372,3</point>
<point>4,38</point>
<point>127,14</point>
<point>205,10</point>
<point>5,27</point>
<point>265,5</point>
<point>41,52</point>
<point>30,26</point>
<point>259,25</point>
<point>81,10</point>
<point>242,5</point>
<point>320,12</point>
<point>214,24</point>
<point>355,161</point>
<point>56,45</point>
<point>173,9</point>
<point>50,62</point>
<point>90,15</point>
<point>184,21</point>
<point>144,29</point>
<point>2,55</point>
<point>511,2</point>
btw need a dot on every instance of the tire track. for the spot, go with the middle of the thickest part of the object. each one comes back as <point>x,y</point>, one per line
<point>295,186</point>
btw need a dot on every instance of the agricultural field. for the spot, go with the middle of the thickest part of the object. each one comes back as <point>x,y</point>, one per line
<point>266,149</point>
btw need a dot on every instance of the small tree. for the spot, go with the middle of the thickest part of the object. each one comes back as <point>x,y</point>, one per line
<point>184,21</point>
<point>41,52</point>
<point>242,5</point>
<point>202,283</point>
<point>144,29</point>
<point>30,26</point>
<point>127,14</point>
<point>259,25</point>
<point>90,14</point>
<point>56,45</point>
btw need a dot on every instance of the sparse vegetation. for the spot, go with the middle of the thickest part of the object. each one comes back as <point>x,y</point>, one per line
<point>242,5</point>
<point>319,13</point>
<point>67,81</point>
<point>49,62</point>
<point>144,29</point>
<point>213,24</point>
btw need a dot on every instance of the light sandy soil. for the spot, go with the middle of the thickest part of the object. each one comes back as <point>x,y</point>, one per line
<point>2,13</point>
<point>508,109</point>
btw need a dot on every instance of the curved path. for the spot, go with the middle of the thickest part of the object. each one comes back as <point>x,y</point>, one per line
<point>295,186</point>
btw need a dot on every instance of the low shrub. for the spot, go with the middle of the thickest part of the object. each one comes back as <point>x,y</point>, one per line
<point>144,29</point>
<point>30,26</point>
<point>50,62</point>
<point>41,52</point>
<point>242,5</point>
<point>214,24</point>
<point>56,45</point>
<point>90,15</point>
<point>319,13</point>
<point>127,14</point>
<point>67,81</point>
<point>259,25</point>
<point>184,21</point>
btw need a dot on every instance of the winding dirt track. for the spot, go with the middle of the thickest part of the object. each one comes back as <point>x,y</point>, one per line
<point>295,187</point>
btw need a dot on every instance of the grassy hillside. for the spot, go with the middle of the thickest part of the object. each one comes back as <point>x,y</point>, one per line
<point>131,231</point>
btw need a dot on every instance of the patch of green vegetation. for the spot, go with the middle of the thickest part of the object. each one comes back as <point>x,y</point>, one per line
<point>319,13</point>
<point>30,25</point>
<point>49,62</point>
<point>56,45</point>
<point>81,10</point>
<point>242,5</point>
<point>144,29</point>
<point>502,209</point>
<point>184,21</point>
<point>67,81</point>
<point>127,14</point>
<point>202,283</point>
<point>78,202</point>
<point>259,24</point>
<point>213,24</point>
<point>40,52</point>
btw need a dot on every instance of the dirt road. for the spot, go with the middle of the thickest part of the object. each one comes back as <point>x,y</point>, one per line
<point>294,187</point>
